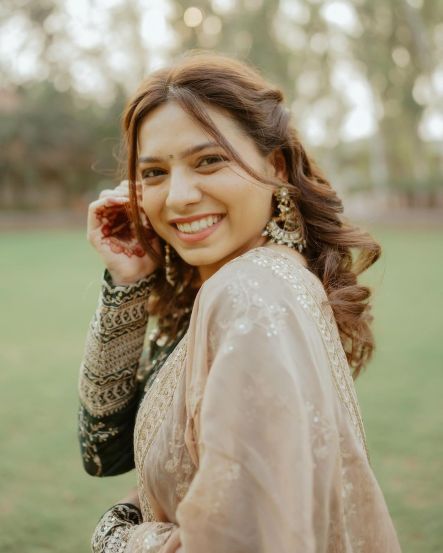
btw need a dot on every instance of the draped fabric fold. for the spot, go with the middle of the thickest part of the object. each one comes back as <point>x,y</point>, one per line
<point>281,457</point>
<point>250,439</point>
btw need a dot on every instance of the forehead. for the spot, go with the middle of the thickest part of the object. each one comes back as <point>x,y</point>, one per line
<point>169,129</point>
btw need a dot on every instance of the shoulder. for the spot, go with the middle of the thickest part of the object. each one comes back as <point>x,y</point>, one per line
<point>261,282</point>
<point>261,268</point>
<point>245,273</point>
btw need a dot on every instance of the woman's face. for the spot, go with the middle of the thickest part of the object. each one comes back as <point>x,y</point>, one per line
<point>190,181</point>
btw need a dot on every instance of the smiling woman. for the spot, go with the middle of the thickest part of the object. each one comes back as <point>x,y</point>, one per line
<point>192,225</point>
<point>241,418</point>
<point>201,181</point>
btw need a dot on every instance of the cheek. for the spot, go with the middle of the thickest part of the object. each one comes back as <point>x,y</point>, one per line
<point>151,204</point>
<point>253,200</point>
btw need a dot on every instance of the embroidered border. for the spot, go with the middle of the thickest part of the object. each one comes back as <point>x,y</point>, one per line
<point>92,434</point>
<point>296,275</point>
<point>114,529</point>
<point>151,414</point>
<point>113,346</point>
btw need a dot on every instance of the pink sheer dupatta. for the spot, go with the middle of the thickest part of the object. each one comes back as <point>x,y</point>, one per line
<point>273,423</point>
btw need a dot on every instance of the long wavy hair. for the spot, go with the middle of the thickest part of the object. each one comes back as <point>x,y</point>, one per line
<point>336,251</point>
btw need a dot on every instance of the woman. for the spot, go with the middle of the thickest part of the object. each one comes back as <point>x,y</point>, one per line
<point>246,429</point>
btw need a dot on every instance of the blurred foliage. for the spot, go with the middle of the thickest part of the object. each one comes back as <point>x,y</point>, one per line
<point>56,147</point>
<point>60,127</point>
<point>398,59</point>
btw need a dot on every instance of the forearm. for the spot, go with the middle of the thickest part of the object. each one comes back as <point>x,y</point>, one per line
<point>114,344</point>
<point>108,386</point>
<point>106,443</point>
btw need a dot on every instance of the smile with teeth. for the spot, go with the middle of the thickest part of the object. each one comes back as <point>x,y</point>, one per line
<point>199,225</point>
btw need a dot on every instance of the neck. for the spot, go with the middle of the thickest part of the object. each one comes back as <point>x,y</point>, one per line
<point>206,271</point>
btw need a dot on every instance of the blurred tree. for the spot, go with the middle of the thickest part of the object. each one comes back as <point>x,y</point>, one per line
<point>242,28</point>
<point>398,60</point>
<point>80,59</point>
<point>55,148</point>
<point>61,132</point>
<point>88,47</point>
<point>304,45</point>
<point>288,41</point>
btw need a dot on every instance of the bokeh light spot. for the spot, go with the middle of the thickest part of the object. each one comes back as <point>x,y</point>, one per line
<point>193,17</point>
<point>212,25</point>
<point>401,56</point>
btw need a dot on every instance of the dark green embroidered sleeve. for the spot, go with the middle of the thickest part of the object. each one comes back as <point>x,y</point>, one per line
<point>109,389</point>
<point>114,374</point>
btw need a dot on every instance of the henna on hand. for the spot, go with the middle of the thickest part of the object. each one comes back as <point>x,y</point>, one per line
<point>115,221</point>
<point>118,230</point>
<point>128,250</point>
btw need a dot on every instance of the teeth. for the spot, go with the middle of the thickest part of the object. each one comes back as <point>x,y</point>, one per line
<point>197,226</point>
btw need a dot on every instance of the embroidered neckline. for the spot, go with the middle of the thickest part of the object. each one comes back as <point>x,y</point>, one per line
<point>262,250</point>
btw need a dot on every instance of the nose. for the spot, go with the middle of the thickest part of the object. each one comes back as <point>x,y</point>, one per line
<point>183,191</point>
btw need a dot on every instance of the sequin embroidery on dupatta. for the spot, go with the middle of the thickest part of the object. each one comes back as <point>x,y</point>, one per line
<point>309,292</point>
<point>151,414</point>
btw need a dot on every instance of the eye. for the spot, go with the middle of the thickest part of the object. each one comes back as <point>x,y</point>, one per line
<point>211,159</point>
<point>151,173</point>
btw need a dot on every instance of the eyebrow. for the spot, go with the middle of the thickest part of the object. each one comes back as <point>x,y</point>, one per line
<point>181,155</point>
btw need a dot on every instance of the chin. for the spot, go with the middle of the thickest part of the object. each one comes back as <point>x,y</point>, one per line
<point>198,257</point>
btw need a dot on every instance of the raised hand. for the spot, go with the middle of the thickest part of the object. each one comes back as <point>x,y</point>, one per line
<point>112,234</point>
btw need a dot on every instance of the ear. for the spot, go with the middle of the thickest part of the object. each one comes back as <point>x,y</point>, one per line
<point>277,160</point>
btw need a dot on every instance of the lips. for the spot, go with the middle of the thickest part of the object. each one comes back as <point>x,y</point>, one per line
<point>199,235</point>
<point>199,224</point>
<point>193,218</point>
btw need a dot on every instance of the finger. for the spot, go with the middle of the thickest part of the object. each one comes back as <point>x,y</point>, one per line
<point>116,199</point>
<point>95,205</point>
<point>172,543</point>
<point>121,190</point>
<point>94,221</point>
<point>106,192</point>
<point>112,193</point>
<point>175,541</point>
<point>125,184</point>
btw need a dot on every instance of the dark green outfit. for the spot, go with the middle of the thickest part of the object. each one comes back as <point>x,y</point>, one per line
<point>115,371</point>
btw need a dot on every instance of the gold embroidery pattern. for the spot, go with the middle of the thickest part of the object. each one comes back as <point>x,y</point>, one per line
<point>247,309</point>
<point>113,347</point>
<point>307,293</point>
<point>224,474</point>
<point>179,463</point>
<point>322,432</point>
<point>150,537</point>
<point>91,434</point>
<point>113,531</point>
<point>151,414</point>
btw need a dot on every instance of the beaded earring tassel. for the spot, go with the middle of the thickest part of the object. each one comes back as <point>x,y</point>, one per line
<point>168,266</point>
<point>290,232</point>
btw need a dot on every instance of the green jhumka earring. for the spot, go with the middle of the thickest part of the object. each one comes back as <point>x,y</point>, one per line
<point>290,233</point>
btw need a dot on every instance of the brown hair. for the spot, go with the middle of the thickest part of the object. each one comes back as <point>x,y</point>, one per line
<point>201,79</point>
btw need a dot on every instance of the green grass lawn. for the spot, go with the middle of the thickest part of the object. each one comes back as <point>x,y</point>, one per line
<point>49,289</point>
